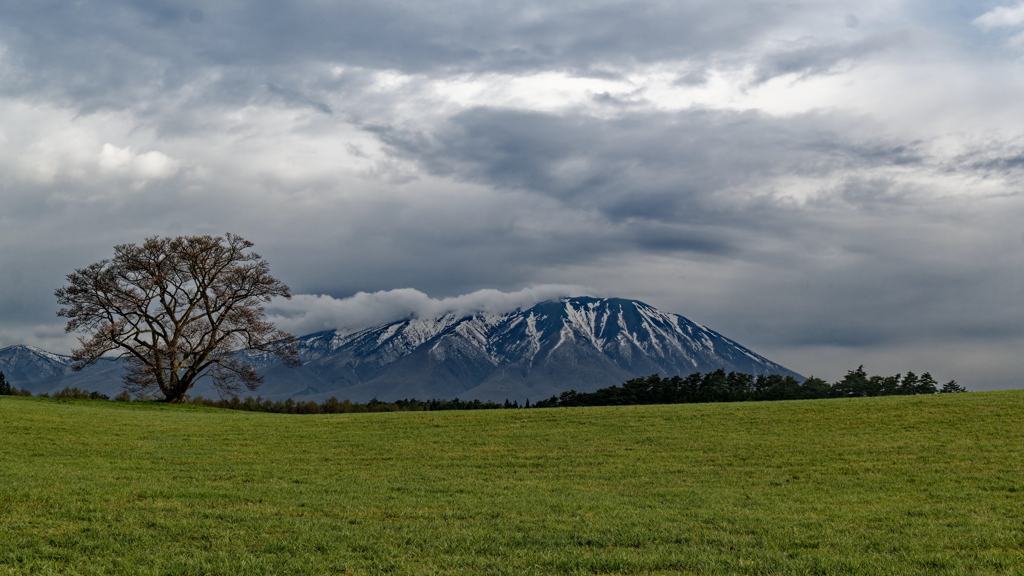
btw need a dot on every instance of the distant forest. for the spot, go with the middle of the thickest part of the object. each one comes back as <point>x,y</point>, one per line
<point>717,386</point>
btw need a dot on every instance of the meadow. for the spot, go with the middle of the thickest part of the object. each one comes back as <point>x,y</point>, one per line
<point>891,485</point>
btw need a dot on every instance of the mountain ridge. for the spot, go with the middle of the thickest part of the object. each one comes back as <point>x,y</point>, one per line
<point>581,343</point>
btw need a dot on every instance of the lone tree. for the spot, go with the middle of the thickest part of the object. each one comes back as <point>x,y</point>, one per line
<point>177,309</point>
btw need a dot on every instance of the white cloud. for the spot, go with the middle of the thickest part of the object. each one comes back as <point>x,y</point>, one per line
<point>1000,17</point>
<point>307,313</point>
<point>152,165</point>
<point>114,159</point>
<point>45,144</point>
<point>155,166</point>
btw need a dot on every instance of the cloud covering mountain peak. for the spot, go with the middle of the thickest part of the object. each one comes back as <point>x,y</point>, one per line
<point>306,313</point>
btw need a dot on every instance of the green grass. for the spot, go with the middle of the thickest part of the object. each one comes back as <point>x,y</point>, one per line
<point>895,485</point>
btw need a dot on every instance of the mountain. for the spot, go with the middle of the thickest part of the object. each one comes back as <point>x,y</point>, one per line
<point>37,370</point>
<point>574,343</point>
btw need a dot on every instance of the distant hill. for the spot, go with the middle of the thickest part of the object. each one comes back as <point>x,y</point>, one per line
<point>575,343</point>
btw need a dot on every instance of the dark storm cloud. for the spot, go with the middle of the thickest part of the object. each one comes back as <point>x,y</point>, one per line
<point>824,59</point>
<point>650,166</point>
<point>1000,159</point>
<point>116,54</point>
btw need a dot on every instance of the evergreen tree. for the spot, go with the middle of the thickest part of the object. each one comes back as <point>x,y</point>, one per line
<point>815,388</point>
<point>890,385</point>
<point>909,384</point>
<point>5,386</point>
<point>927,385</point>
<point>855,383</point>
<point>952,387</point>
<point>741,386</point>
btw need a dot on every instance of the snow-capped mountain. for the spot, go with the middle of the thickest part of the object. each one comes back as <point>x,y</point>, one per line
<point>574,343</point>
<point>31,365</point>
<point>37,370</point>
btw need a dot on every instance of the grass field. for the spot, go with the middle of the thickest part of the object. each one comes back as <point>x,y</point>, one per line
<point>893,485</point>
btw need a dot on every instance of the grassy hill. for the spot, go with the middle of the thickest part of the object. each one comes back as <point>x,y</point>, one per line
<point>894,485</point>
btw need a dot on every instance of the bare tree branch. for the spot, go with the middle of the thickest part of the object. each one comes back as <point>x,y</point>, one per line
<point>177,309</point>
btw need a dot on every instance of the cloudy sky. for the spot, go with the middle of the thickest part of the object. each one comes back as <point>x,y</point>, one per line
<point>831,183</point>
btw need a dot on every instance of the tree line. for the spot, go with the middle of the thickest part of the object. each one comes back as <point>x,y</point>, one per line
<point>717,386</point>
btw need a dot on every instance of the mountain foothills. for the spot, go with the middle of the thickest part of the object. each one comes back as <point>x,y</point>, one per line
<point>581,344</point>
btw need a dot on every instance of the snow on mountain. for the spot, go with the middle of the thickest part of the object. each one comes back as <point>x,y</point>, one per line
<point>574,343</point>
<point>37,370</point>
<point>30,364</point>
<point>581,343</point>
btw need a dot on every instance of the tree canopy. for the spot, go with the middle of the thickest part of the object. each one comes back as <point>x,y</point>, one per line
<point>177,309</point>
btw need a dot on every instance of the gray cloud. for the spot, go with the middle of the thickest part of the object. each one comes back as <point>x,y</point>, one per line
<point>999,159</point>
<point>124,54</point>
<point>667,167</point>
<point>818,59</point>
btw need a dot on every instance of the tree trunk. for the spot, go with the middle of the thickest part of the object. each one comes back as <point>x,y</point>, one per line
<point>176,395</point>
